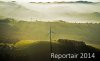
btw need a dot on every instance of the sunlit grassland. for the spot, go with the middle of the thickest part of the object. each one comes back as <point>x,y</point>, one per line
<point>24,42</point>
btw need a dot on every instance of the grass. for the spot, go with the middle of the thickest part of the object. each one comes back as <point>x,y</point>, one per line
<point>24,42</point>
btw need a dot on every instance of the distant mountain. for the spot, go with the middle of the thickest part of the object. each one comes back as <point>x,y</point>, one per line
<point>83,2</point>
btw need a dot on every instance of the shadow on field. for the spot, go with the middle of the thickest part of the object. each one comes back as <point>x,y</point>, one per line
<point>40,51</point>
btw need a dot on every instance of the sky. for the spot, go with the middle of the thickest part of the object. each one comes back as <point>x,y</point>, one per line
<point>48,0</point>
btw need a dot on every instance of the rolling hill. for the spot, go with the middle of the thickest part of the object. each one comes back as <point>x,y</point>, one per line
<point>22,30</point>
<point>40,50</point>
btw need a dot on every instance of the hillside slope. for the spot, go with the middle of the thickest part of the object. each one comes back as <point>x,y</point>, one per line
<point>40,51</point>
<point>21,30</point>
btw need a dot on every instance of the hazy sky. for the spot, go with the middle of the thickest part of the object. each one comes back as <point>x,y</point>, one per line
<point>47,0</point>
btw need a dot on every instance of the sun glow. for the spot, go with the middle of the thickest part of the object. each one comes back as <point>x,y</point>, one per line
<point>24,42</point>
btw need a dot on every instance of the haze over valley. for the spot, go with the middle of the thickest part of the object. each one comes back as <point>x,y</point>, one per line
<point>69,12</point>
